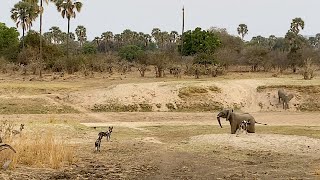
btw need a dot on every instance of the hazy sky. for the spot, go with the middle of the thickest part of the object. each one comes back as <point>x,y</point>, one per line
<point>263,17</point>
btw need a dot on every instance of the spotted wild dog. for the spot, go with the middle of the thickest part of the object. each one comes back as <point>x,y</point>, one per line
<point>107,134</point>
<point>243,127</point>
<point>97,144</point>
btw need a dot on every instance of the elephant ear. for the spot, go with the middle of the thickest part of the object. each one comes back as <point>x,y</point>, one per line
<point>228,114</point>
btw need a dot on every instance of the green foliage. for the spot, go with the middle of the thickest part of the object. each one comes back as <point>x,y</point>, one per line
<point>89,48</point>
<point>199,41</point>
<point>51,52</point>
<point>242,30</point>
<point>130,53</point>
<point>9,41</point>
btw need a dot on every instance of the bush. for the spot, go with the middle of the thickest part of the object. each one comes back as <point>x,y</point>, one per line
<point>130,53</point>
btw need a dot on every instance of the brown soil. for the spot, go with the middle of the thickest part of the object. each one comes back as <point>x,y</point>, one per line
<point>172,145</point>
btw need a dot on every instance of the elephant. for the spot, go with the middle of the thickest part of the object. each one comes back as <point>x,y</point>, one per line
<point>285,98</point>
<point>236,119</point>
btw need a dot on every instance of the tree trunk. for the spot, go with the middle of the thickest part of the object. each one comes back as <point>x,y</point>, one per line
<point>40,72</point>
<point>23,35</point>
<point>68,37</point>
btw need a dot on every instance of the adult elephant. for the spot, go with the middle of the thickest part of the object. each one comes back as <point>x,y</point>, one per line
<point>235,120</point>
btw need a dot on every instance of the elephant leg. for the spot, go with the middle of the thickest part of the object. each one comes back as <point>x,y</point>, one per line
<point>234,128</point>
<point>251,127</point>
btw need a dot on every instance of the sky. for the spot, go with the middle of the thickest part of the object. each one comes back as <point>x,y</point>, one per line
<point>263,17</point>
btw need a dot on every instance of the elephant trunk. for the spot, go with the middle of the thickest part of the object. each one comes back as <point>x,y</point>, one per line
<point>218,118</point>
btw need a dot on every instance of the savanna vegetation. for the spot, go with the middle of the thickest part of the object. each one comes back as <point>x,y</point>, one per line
<point>208,52</point>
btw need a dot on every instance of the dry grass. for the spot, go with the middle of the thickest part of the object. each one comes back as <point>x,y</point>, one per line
<point>190,91</point>
<point>36,88</point>
<point>299,88</point>
<point>31,106</point>
<point>38,150</point>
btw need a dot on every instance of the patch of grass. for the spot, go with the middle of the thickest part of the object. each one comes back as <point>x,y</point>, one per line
<point>158,105</point>
<point>314,89</point>
<point>36,88</point>
<point>214,89</point>
<point>39,150</point>
<point>310,105</point>
<point>313,132</point>
<point>170,106</point>
<point>145,107</point>
<point>198,107</point>
<point>190,91</point>
<point>31,106</point>
<point>115,108</point>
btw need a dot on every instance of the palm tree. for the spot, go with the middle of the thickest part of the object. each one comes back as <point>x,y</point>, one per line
<point>97,40</point>
<point>118,39</point>
<point>296,25</point>
<point>81,33</point>
<point>47,36</point>
<point>156,35</point>
<point>242,30</point>
<point>56,34</point>
<point>173,36</point>
<point>106,37</point>
<point>23,13</point>
<point>67,9</point>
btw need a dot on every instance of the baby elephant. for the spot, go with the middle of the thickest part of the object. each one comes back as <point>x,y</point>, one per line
<point>285,98</point>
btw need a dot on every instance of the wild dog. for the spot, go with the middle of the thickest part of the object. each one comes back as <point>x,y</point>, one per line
<point>243,127</point>
<point>98,143</point>
<point>107,134</point>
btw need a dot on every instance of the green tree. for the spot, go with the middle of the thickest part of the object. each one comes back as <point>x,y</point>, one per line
<point>107,37</point>
<point>68,10</point>
<point>297,24</point>
<point>56,34</point>
<point>81,33</point>
<point>199,41</point>
<point>296,43</point>
<point>130,52</point>
<point>156,34</point>
<point>24,13</point>
<point>9,41</point>
<point>242,30</point>
<point>89,48</point>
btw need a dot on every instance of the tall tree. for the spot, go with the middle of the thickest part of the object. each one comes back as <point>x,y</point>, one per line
<point>297,24</point>
<point>56,34</point>
<point>9,41</point>
<point>242,30</point>
<point>68,10</point>
<point>106,38</point>
<point>81,33</point>
<point>200,41</point>
<point>23,13</point>
<point>156,34</point>
<point>296,42</point>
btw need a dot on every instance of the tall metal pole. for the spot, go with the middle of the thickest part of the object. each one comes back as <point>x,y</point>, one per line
<point>182,31</point>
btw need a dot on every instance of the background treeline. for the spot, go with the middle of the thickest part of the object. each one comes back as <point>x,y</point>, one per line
<point>197,52</point>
